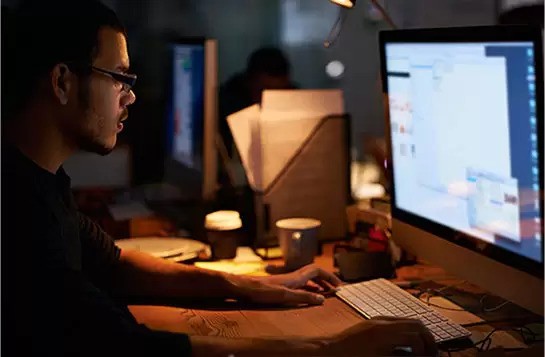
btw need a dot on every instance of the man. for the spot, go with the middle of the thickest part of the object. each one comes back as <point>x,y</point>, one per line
<point>67,86</point>
<point>267,68</point>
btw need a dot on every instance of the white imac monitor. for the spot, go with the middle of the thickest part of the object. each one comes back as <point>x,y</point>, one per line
<point>465,128</point>
<point>191,160</point>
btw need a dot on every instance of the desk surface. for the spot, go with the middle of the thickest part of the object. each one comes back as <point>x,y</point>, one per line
<point>234,320</point>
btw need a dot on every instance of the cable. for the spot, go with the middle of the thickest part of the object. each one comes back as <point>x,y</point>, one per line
<point>534,336</point>
<point>485,343</point>
<point>451,286</point>
<point>384,14</point>
<point>438,292</point>
<point>492,309</point>
<point>487,340</point>
<point>441,307</point>
<point>337,26</point>
<point>427,301</point>
<point>490,322</point>
<point>335,29</point>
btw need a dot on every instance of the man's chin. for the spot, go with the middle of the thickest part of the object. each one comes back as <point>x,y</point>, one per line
<point>99,148</point>
<point>103,151</point>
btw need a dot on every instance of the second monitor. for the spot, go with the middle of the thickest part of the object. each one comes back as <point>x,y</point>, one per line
<point>191,160</point>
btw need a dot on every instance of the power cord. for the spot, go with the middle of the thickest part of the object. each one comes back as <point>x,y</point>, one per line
<point>528,336</point>
<point>429,293</point>
<point>491,309</point>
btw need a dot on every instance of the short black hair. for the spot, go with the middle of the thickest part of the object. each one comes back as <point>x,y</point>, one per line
<point>40,34</point>
<point>269,60</point>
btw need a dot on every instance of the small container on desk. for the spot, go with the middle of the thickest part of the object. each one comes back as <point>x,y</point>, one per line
<point>223,229</point>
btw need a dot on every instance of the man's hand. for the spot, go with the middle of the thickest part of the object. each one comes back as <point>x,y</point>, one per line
<point>286,289</point>
<point>310,277</point>
<point>383,336</point>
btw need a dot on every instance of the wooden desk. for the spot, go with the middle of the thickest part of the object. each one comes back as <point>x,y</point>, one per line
<point>242,321</point>
<point>237,321</point>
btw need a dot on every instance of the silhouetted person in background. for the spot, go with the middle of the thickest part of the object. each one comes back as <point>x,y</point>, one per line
<point>267,68</point>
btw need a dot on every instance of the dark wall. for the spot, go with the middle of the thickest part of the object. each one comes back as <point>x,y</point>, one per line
<point>297,26</point>
<point>240,26</point>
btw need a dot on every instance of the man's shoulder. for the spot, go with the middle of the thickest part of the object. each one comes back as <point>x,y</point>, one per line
<point>21,192</point>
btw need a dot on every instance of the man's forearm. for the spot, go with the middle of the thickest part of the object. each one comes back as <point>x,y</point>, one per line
<point>140,274</point>
<point>241,347</point>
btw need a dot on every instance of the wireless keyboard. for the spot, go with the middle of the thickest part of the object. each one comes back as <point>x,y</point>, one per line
<point>381,297</point>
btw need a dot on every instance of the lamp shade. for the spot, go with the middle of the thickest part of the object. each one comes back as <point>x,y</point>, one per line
<point>345,3</point>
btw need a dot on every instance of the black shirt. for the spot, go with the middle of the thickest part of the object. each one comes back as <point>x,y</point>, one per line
<point>57,266</point>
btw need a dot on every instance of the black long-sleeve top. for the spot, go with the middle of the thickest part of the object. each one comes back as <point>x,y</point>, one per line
<point>57,269</point>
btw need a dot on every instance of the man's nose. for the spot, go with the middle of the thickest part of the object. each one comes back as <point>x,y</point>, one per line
<point>129,99</point>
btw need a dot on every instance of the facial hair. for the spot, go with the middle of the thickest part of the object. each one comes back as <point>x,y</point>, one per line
<point>89,139</point>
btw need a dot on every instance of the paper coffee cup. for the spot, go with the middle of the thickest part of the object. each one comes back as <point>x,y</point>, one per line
<point>223,231</point>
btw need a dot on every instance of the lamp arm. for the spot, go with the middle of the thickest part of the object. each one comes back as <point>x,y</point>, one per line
<point>336,29</point>
<point>384,14</point>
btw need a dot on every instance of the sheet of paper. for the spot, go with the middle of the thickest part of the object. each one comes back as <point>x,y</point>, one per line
<point>268,137</point>
<point>288,118</point>
<point>245,262</point>
<point>280,141</point>
<point>244,126</point>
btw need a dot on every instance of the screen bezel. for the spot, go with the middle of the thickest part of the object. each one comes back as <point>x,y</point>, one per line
<point>468,35</point>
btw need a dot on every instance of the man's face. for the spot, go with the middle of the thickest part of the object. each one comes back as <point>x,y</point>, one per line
<point>103,102</point>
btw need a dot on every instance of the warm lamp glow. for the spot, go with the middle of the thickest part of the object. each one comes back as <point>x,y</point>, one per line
<point>344,3</point>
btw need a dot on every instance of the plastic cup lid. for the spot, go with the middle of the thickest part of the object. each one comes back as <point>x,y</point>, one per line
<point>298,223</point>
<point>223,220</point>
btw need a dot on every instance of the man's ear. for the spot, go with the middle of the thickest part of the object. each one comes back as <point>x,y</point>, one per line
<point>62,81</point>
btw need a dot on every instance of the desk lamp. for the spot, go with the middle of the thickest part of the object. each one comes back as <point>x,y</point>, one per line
<point>349,4</point>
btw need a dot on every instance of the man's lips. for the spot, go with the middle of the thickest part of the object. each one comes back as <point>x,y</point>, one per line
<point>124,116</point>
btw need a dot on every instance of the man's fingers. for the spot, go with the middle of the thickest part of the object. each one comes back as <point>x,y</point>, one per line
<point>323,284</point>
<point>411,333</point>
<point>312,272</point>
<point>423,342</point>
<point>408,342</point>
<point>292,296</point>
<point>429,341</point>
<point>313,286</point>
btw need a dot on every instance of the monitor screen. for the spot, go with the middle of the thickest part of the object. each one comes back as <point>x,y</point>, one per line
<point>185,130</point>
<point>192,118</point>
<point>464,139</point>
<point>465,132</point>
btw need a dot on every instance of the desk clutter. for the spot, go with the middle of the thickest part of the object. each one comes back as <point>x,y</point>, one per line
<point>294,148</point>
<point>171,248</point>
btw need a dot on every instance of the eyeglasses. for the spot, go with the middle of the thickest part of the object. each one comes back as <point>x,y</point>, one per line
<point>126,80</point>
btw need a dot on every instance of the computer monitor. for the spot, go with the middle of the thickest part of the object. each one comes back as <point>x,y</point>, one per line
<point>191,160</point>
<point>465,132</point>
